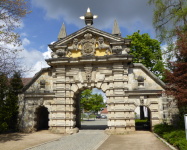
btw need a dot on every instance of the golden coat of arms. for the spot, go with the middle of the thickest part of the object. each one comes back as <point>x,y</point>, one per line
<point>88,45</point>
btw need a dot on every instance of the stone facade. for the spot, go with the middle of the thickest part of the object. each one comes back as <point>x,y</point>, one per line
<point>91,58</point>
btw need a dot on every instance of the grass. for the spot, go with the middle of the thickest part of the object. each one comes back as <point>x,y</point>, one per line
<point>90,116</point>
<point>140,122</point>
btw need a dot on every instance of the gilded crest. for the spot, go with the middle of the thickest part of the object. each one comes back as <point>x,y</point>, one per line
<point>88,45</point>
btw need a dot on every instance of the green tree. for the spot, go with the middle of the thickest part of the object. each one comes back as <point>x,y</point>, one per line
<point>147,51</point>
<point>167,15</point>
<point>3,94</point>
<point>9,101</point>
<point>16,82</point>
<point>91,102</point>
<point>98,102</point>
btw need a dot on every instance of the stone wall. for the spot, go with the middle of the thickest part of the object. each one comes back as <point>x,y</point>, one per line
<point>117,79</point>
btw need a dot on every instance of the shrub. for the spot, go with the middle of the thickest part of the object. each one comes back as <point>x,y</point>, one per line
<point>172,135</point>
<point>140,121</point>
<point>162,128</point>
<point>182,144</point>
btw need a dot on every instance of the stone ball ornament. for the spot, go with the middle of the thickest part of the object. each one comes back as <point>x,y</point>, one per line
<point>42,82</point>
<point>140,78</point>
<point>88,17</point>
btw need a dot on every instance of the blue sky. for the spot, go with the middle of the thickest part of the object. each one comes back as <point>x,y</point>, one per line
<point>42,26</point>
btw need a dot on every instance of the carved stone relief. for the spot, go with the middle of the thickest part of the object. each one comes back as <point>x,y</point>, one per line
<point>141,100</point>
<point>75,46</point>
<point>102,45</point>
<point>61,52</point>
<point>54,55</point>
<point>117,50</point>
<point>41,101</point>
<point>88,75</point>
<point>88,45</point>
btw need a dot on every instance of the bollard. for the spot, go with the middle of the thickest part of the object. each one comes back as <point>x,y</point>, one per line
<point>185,123</point>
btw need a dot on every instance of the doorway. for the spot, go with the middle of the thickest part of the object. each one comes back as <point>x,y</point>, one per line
<point>142,118</point>
<point>89,104</point>
<point>42,118</point>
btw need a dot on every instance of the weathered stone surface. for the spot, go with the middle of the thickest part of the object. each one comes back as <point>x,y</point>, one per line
<point>109,71</point>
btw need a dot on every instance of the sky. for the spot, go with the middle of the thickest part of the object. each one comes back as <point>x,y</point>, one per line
<point>42,26</point>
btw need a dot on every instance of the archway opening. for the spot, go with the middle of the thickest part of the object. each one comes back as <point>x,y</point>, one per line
<point>96,118</point>
<point>42,118</point>
<point>142,118</point>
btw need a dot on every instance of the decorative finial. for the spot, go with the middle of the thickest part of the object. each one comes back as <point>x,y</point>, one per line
<point>62,33</point>
<point>88,17</point>
<point>116,29</point>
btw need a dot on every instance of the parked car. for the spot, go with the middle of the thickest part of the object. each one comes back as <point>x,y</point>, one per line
<point>98,116</point>
<point>103,116</point>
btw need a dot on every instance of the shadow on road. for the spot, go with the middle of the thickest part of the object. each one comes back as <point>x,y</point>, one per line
<point>11,137</point>
<point>93,127</point>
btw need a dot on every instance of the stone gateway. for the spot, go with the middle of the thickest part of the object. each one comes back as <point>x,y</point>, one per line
<point>91,58</point>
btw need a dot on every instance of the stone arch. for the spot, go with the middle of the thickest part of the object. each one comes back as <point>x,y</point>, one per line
<point>76,98</point>
<point>41,118</point>
<point>151,104</point>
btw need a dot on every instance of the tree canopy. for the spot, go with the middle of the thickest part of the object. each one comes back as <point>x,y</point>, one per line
<point>9,101</point>
<point>147,51</point>
<point>177,78</point>
<point>11,14</point>
<point>91,102</point>
<point>167,15</point>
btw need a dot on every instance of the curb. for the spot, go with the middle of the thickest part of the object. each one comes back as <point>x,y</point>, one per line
<point>173,148</point>
<point>100,143</point>
<point>42,144</point>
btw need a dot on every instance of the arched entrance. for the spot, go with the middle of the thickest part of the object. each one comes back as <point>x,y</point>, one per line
<point>142,118</point>
<point>87,119</point>
<point>42,118</point>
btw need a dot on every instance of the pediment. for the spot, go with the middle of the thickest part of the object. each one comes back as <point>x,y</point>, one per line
<point>85,42</point>
<point>95,32</point>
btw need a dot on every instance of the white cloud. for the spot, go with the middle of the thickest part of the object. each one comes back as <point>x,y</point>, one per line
<point>41,47</point>
<point>23,34</point>
<point>36,59</point>
<point>47,54</point>
<point>25,42</point>
<point>130,14</point>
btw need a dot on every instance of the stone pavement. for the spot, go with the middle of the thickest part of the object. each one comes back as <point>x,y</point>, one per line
<point>84,140</point>
<point>90,137</point>
<point>138,140</point>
